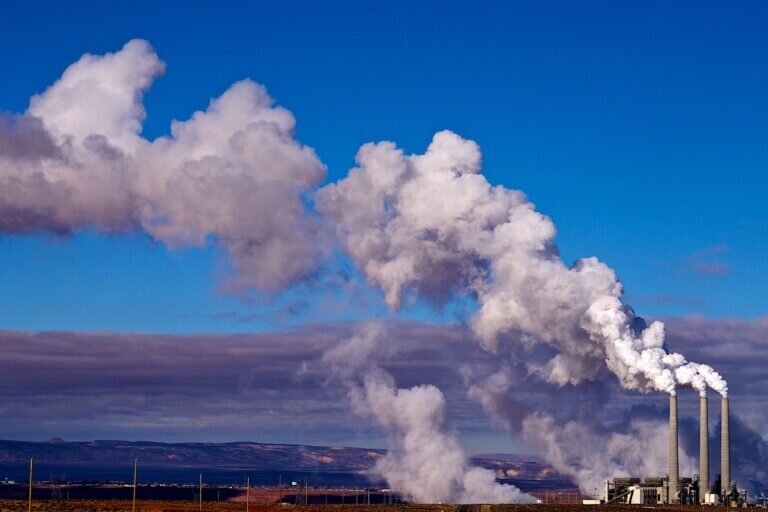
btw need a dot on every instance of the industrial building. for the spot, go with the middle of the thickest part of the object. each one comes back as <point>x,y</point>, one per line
<point>672,489</point>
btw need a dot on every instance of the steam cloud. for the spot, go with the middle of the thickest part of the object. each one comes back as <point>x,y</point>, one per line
<point>232,174</point>
<point>433,225</point>
<point>580,447</point>
<point>590,457</point>
<point>429,224</point>
<point>425,462</point>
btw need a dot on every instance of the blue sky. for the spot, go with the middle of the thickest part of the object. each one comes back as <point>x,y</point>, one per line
<point>640,128</point>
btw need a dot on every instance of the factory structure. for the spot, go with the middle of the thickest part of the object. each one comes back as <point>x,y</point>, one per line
<point>671,489</point>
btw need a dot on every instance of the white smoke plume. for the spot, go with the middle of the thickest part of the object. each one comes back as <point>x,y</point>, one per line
<point>579,447</point>
<point>232,174</point>
<point>432,224</point>
<point>591,457</point>
<point>425,461</point>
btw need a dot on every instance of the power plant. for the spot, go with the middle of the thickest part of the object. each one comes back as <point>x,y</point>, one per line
<point>673,489</point>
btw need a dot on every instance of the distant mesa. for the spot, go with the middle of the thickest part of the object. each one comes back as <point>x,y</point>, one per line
<point>171,462</point>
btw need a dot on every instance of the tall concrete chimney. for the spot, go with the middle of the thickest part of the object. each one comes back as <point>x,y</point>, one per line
<point>703,448</point>
<point>674,465</point>
<point>725,451</point>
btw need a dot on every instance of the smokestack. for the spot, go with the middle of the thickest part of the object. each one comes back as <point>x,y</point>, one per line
<point>674,465</point>
<point>703,448</point>
<point>725,451</point>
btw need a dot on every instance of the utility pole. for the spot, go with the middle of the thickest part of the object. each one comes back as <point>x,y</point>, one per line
<point>200,503</point>
<point>29,505</point>
<point>135,462</point>
<point>247,493</point>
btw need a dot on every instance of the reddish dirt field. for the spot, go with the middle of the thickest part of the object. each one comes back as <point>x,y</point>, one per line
<point>232,506</point>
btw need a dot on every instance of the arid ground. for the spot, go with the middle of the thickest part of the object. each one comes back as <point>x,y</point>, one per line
<point>190,506</point>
